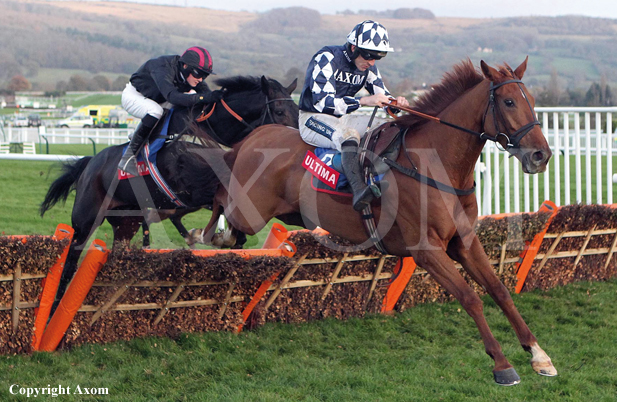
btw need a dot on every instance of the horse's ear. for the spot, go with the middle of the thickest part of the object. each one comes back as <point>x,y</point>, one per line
<point>488,71</point>
<point>520,70</point>
<point>265,85</point>
<point>292,86</point>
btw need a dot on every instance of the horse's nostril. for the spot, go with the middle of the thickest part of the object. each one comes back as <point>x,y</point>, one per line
<point>538,157</point>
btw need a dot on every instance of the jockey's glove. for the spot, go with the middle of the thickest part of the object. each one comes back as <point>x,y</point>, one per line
<point>211,97</point>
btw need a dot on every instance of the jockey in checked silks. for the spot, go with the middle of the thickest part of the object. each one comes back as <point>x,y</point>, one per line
<point>333,78</point>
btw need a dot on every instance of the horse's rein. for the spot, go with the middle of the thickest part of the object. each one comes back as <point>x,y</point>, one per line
<point>516,139</point>
<point>203,116</point>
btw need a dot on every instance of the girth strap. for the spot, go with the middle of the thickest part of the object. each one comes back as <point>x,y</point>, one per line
<point>413,173</point>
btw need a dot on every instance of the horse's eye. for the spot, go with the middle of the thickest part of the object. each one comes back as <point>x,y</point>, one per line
<point>509,102</point>
<point>279,112</point>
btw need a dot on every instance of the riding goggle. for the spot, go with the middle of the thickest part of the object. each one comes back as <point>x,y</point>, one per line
<point>367,55</point>
<point>199,73</point>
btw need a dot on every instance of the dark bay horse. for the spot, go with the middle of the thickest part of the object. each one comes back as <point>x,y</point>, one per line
<point>186,167</point>
<point>433,223</point>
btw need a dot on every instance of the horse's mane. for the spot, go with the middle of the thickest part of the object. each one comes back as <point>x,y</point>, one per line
<point>463,77</point>
<point>239,83</point>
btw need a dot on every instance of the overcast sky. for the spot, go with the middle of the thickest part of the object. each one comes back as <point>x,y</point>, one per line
<point>441,8</point>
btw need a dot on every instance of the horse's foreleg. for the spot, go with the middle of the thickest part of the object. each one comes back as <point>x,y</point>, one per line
<point>125,227</point>
<point>205,236</point>
<point>442,269</point>
<point>477,265</point>
<point>176,220</point>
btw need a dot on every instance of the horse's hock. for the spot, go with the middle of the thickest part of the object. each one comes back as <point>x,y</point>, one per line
<point>139,293</point>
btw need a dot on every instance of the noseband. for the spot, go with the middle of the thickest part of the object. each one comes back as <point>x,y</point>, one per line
<point>513,139</point>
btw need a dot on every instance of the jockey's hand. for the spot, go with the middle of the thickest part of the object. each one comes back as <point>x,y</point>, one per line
<point>375,100</point>
<point>212,97</point>
<point>396,102</point>
<point>402,101</point>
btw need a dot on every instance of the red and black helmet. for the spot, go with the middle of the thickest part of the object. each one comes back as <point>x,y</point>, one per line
<point>198,60</point>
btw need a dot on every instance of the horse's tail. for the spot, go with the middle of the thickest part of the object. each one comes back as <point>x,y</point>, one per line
<point>63,185</point>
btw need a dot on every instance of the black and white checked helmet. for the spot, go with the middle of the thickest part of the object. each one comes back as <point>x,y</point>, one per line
<point>370,35</point>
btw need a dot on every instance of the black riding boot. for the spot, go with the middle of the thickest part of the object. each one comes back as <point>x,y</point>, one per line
<point>128,162</point>
<point>362,194</point>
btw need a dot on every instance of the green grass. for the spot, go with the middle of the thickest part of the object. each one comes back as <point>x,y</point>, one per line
<point>25,183</point>
<point>431,352</point>
<point>101,98</point>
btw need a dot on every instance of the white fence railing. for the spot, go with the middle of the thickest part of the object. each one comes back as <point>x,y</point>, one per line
<point>580,171</point>
<point>54,135</point>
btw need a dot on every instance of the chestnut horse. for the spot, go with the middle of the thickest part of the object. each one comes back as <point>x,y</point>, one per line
<point>430,214</point>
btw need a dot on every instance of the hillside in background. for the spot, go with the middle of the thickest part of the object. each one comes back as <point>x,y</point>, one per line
<point>51,41</point>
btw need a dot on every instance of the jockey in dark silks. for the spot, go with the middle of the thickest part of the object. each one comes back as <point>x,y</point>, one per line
<point>333,78</point>
<point>179,80</point>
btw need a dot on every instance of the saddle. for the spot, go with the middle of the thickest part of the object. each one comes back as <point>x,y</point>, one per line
<point>380,143</point>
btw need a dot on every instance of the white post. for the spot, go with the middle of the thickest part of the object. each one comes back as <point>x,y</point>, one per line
<point>488,181</point>
<point>557,146</point>
<point>526,193</point>
<point>506,180</point>
<point>536,192</point>
<point>496,181</point>
<point>609,156</point>
<point>598,158</point>
<point>577,158</point>
<point>517,188</point>
<point>566,159</point>
<point>547,173</point>
<point>588,157</point>
<point>479,185</point>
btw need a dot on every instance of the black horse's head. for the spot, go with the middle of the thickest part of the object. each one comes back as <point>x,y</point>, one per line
<point>261,100</point>
<point>248,102</point>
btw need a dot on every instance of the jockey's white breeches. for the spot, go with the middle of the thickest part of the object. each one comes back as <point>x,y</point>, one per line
<point>328,131</point>
<point>138,105</point>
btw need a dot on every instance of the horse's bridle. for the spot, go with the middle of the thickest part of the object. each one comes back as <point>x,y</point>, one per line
<point>513,139</point>
<point>266,112</point>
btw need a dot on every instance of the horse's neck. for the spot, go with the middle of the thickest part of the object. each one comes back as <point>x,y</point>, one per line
<point>458,150</point>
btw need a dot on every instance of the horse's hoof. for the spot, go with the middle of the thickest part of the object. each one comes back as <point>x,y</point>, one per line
<point>544,368</point>
<point>506,377</point>
<point>195,235</point>
<point>217,240</point>
<point>540,362</point>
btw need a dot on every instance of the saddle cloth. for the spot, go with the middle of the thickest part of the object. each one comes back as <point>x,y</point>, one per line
<point>147,164</point>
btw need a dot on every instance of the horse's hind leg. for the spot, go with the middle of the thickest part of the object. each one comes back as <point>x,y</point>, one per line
<point>124,227</point>
<point>442,269</point>
<point>477,265</point>
<point>84,222</point>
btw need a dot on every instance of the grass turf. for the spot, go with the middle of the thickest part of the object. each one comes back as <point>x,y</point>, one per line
<point>432,352</point>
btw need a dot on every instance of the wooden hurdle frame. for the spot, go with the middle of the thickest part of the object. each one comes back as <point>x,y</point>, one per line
<point>268,292</point>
